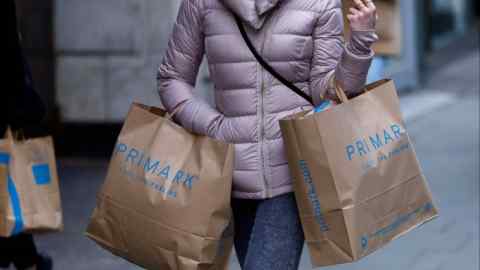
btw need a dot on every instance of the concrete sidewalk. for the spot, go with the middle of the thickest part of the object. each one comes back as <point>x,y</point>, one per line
<point>446,140</point>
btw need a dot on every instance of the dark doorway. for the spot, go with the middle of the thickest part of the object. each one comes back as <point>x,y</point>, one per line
<point>35,23</point>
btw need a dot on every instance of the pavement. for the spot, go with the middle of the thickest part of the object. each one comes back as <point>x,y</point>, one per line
<point>443,122</point>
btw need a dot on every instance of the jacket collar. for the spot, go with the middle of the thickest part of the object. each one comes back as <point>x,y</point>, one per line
<point>252,12</point>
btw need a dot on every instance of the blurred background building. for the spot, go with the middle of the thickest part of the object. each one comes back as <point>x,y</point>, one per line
<point>92,58</point>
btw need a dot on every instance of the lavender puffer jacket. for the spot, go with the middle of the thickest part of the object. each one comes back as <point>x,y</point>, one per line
<point>301,39</point>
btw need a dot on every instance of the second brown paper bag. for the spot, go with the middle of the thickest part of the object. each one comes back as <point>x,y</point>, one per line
<point>357,180</point>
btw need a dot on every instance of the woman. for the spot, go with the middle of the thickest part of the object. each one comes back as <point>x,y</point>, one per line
<point>24,109</point>
<point>303,41</point>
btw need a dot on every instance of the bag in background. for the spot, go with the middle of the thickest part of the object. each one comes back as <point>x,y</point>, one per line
<point>29,191</point>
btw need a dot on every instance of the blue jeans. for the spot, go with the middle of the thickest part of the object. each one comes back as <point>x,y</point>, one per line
<point>268,233</point>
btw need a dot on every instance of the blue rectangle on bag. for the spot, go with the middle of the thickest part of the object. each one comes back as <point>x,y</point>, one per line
<point>41,174</point>
<point>4,158</point>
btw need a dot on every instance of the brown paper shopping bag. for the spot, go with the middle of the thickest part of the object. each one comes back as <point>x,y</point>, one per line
<point>357,180</point>
<point>165,203</point>
<point>29,192</point>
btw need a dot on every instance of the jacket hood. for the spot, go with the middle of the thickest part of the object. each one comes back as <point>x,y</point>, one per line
<point>252,12</point>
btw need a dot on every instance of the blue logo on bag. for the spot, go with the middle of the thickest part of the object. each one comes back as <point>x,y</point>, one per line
<point>41,174</point>
<point>312,196</point>
<point>364,241</point>
<point>4,158</point>
<point>14,198</point>
<point>374,142</point>
<point>137,158</point>
<point>17,209</point>
<point>397,222</point>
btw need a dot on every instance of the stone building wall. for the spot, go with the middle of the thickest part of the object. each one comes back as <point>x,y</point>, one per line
<point>107,54</point>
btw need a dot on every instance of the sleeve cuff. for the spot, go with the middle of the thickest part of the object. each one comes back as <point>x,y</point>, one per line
<point>198,117</point>
<point>361,42</point>
<point>356,64</point>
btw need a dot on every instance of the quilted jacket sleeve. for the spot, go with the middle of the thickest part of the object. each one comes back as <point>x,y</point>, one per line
<point>333,60</point>
<point>177,74</point>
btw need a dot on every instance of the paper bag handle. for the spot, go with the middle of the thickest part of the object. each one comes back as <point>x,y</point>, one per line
<point>8,133</point>
<point>340,92</point>
<point>162,112</point>
<point>169,116</point>
<point>15,136</point>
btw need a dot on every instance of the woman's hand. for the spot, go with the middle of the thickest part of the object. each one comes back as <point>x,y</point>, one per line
<point>363,20</point>
<point>362,17</point>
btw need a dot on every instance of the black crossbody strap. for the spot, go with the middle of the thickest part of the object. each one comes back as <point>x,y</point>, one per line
<point>267,66</point>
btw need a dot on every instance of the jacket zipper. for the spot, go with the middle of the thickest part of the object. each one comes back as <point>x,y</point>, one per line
<point>262,122</point>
